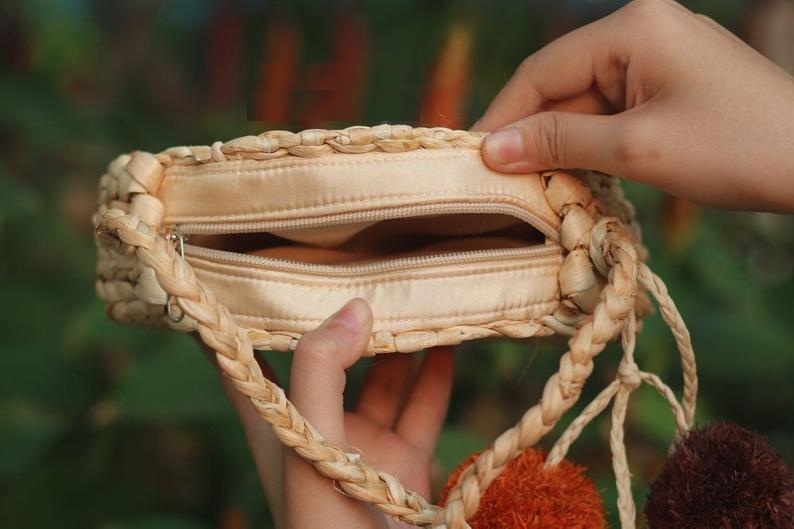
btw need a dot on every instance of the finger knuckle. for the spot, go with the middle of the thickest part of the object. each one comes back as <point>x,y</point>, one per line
<point>637,143</point>
<point>551,140</point>
<point>317,347</point>
<point>654,19</point>
<point>646,8</point>
<point>705,18</point>
<point>525,66</point>
<point>713,24</point>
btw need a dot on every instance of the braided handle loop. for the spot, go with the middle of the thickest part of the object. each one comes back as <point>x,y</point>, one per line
<point>235,355</point>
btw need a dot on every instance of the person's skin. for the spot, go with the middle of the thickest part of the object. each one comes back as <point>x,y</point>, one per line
<point>394,426</point>
<point>656,94</point>
<point>652,93</point>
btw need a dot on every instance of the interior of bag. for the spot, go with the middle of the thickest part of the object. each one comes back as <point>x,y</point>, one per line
<point>382,240</point>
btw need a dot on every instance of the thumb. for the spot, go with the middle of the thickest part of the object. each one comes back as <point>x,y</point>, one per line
<point>317,382</point>
<point>553,140</point>
<point>317,379</point>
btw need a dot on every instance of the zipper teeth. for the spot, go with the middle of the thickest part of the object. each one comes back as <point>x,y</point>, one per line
<point>395,212</point>
<point>399,263</point>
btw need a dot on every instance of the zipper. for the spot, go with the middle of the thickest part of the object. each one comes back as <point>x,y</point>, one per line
<point>367,267</point>
<point>387,213</point>
<point>183,231</point>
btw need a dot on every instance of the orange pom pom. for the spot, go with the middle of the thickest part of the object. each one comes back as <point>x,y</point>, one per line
<point>527,496</point>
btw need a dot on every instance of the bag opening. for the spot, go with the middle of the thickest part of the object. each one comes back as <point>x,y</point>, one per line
<point>456,233</point>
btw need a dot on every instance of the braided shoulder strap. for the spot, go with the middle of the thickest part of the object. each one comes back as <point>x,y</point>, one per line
<point>602,279</point>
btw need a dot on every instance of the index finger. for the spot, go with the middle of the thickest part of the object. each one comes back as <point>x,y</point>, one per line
<point>423,416</point>
<point>562,70</point>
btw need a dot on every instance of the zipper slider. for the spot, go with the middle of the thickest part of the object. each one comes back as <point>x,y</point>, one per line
<point>176,236</point>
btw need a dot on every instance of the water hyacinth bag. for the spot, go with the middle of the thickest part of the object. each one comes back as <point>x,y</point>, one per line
<point>254,242</point>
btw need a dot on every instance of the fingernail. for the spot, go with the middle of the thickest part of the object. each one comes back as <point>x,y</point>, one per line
<point>504,146</point>
<point>352,315</point>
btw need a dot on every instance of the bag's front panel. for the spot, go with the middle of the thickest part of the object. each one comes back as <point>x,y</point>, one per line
<point>522,287</point>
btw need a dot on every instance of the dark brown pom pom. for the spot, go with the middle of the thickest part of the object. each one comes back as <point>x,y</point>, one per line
<point>722,477</point>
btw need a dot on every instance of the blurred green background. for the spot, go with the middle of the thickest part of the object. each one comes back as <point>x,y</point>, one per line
<point>112,427</point>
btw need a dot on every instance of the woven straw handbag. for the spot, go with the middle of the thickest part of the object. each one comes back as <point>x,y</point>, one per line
<point>256,241</point>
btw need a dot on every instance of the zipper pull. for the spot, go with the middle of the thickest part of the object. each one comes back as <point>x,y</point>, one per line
<point>177,236</point>
<point>179,244</point>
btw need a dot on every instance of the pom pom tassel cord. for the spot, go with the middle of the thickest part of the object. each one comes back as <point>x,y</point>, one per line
<point>629,378</point>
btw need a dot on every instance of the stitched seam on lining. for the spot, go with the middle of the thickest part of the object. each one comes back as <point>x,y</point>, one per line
<point>547,270</point>
<point>467,193</point>
<point>486,313</point>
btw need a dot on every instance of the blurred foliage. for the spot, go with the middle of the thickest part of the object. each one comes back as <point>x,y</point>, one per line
<point>113,427</point>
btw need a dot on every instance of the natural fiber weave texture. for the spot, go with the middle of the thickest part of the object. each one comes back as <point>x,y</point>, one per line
<point>602,283</point>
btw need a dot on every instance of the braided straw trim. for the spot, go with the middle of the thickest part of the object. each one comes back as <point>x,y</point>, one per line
<point>128,223</point>
<point>312,143</point>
